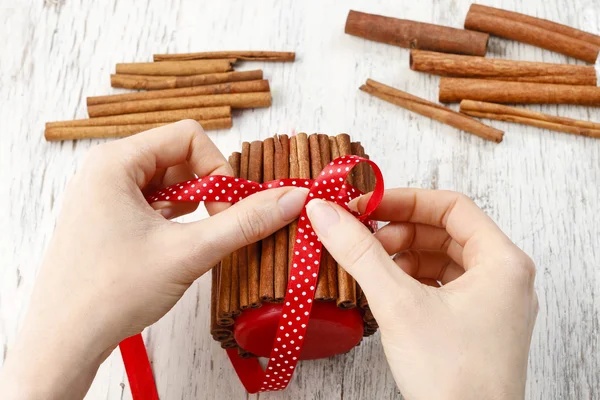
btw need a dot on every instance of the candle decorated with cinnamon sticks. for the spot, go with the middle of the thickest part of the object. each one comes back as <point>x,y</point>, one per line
<point>417,35</point>
<point>535,31</point>
<point>492,68</point>
<point>265,281</point>
<point>149,82</point>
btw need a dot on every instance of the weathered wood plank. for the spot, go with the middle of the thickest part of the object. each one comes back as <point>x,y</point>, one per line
<point>541,187</point>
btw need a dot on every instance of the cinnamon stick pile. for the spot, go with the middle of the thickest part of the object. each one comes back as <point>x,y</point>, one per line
<point>199,86</point>
<point>458,56</point>
<point>259,272</point>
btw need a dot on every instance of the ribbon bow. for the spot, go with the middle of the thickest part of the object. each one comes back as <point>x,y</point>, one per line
<point>291,331</point>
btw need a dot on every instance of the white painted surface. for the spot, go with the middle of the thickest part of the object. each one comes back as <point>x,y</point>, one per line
<point>541,187</point>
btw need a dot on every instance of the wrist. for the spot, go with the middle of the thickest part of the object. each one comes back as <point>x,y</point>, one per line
<point>60,355</point>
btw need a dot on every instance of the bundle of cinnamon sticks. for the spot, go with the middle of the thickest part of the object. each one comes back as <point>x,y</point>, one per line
<point>259,272</point>
<point>458,56</point>
<point>199,86</point>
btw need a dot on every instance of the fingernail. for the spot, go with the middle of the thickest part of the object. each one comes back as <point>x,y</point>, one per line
<point>164,209</point>
<point>291,203</point>
<point>353,204</point>
<point>322,215</point>
<point>167,212</point>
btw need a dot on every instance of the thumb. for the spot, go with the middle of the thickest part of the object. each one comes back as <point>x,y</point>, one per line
<point>248,221</point>
<point>358,252</point>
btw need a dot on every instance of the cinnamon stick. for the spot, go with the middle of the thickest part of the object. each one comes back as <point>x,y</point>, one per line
<point>229,344</point>
<point>370,181</point>
<point>303,156</point>
<point>176,68</point>
<point>218,332</point>
<point>234,302</point>
<point>282,156</point>
<point>433,110</point>
<point>244,353</point>
<point>149,82</point>
<point>535,31</point>
<point>510,70</point>
<point>294,173</point>
<point>267,258</point>
<point>346,284</point>
<point>255,165</point>
<point>316,166</point>
<point>457,89</point>
<point>235,100</point>
<point>113,131</point>
<point>527,117</point>
<point>359,173</point>
<point>327,261</point>
<point>243,252</point>
<point>415,35</point>
<point>542,23</point>
<point>224,316</point>
<point>155,117</point>
<point>218,88</point>
<point>335,151</point>
<point>299,168</point>
<point>240,55</point>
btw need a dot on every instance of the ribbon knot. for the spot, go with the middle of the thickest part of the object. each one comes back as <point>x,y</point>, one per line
<point>331,185</point>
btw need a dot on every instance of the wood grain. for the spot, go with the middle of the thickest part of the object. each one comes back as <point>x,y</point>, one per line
<point>541,187</point>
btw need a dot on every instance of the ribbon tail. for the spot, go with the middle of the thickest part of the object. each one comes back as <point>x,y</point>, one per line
<point>138,368</point>
<point>248,370</point>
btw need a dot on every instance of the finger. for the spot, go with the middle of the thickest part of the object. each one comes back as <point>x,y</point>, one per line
<point>207,241</point>
<point>357,251</point>
<point>397,237</point>
<point>452,211</point>
<point>429,265</point>
<point>166,146</point>
<point>156,183</point>
<point>172,175</point>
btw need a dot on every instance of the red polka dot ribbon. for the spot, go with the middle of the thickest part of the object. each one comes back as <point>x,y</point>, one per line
<point>291,331</point>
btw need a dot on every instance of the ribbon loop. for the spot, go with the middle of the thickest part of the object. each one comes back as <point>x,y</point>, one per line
<point>331,185</point>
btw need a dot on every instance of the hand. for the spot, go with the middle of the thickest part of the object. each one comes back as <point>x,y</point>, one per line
<point>468,339</point>
<point>115,265</point>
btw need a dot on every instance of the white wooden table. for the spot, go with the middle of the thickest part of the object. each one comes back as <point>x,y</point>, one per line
<point>541,187</point>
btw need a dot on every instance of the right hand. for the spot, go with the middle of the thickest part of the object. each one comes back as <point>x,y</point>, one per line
<point>469,338</point>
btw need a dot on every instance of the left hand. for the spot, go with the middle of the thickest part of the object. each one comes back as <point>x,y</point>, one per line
<point>116,264</point>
